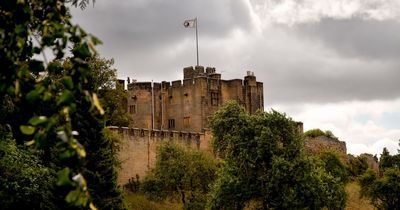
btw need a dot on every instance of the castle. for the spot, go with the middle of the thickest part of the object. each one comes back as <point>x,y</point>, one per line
<point>177,111</point>
<point>187,106</point>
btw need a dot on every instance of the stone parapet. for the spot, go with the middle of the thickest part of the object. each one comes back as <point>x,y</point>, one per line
<point>138,148</point>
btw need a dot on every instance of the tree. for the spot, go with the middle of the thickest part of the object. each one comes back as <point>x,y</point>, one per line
<point>388,161</point>
<point>383,190</point>
<point>181,172</point>
<point>47,98</point>
<point>264,162</point>
<point>112,94</point>
<point>357,165</point>
<point>331,162</point>
<point>24,182</point>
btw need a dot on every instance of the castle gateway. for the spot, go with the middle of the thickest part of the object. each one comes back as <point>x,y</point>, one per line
<point>188,105</point>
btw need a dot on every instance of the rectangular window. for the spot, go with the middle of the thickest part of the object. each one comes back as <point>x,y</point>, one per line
<point>171,123</point>
<point>186,122</point>
<point>214,99</point>
<point>132,109</point>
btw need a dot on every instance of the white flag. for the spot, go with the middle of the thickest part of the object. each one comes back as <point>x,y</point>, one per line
<point>190,23</point>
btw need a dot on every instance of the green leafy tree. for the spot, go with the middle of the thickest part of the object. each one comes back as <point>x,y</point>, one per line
<point>24,182</point>
<point>333,165</point>
<point>183,173</point>
<point>50,100</point>
<point>112,94</point>
<point>357,165</point>
<point>384,192</point>
<point>264,162</point>
<point>388,161</point>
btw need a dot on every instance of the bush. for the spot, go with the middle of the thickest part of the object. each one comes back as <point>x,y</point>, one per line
<point>314,133</point>
<point>264,161</point>
<point>181,173</point>
<point>24,182</point>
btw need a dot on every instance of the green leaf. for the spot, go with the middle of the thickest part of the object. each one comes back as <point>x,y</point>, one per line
<point>67,154</point>
<point>54,67</point>
<point>95,40</point>
<point>73,196</point>
<point>27,130</point>
<point>65,98</point>
<point>20,29</point>
<point>63,178</point>
<point>97,104</point>
<point>37,120</point>
<point>82,51</point>
<point>36,66</point>
<point>29,143</point>
<point>77,197</point>
<point>67,81</point>
<point>34,95</point>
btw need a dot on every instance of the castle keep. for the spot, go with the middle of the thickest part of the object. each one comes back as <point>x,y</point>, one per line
<point>187,105</point>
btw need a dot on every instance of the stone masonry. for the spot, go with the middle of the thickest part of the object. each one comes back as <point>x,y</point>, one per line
<point>187,105</point>
<point>178,111</point>
<point>139,146</point>
<point>316,145</point>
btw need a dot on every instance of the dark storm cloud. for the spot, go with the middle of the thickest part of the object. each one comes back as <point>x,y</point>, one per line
<point>145,37</point>
<point>324,62</point>
<point>349,60</point>
<point>145,25</point>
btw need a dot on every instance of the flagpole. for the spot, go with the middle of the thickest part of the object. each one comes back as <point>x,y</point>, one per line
<point>197,44</point>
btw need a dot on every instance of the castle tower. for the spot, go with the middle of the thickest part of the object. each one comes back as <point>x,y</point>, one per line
<point>187,105</point>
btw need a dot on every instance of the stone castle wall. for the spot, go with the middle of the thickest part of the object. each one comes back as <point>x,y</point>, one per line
<point>316,145</point>
<point>187,104</point>
<point>138,148</point>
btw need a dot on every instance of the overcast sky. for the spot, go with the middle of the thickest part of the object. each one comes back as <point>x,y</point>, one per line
<point>332,64</point>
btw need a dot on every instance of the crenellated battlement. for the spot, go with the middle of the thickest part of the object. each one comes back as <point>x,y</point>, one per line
<point>138,147</point>
<point>185,105</point>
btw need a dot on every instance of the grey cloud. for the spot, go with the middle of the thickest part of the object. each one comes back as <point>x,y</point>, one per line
<point>145,40</point>
<point>310,86</point>
<point>154,24</point>
<point>369,39</point>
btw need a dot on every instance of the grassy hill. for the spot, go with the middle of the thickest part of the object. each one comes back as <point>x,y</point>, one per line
<point>354,201</point>
<point>138,201</point>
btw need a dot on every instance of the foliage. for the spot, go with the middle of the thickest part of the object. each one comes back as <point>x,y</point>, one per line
<point>24,182</point>
<point>314,133</point>
<point>112,95</point>
<point>263,160</point>
<point>355,201</point>
<point>384,192</point>
<point>139,201</point>
<point>388,161</point>
<point>333,165</point>
<point>81,3</point>
<point>318,132</point>
<point>51,102</point>
<point>357,165</point>
<point>182,173</point>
